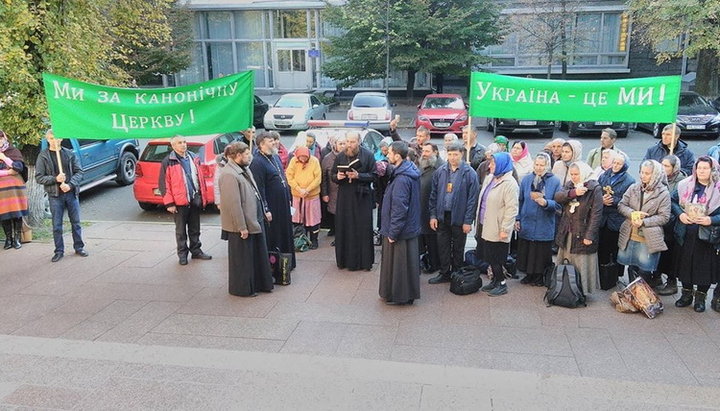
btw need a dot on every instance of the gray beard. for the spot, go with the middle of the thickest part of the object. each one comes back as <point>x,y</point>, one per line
<point>427,162</point>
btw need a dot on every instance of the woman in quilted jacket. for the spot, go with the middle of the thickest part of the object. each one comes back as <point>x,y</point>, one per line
<point>696,203</point>
<point>646,208</point>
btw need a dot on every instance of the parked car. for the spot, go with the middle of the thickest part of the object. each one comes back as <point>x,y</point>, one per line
<point>323,129</point>
<point>442,113</point>
<point>260,107</point>
<point>716,103</point>
<point>513,126</point>
<point>292,112</point>
<point>696,118</point>
<point>373,107</point>
<point>103,160</point>
<point>575,128</point>
<point>146,189</point>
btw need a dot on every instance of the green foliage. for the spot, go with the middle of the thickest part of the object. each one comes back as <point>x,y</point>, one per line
<point>667,21</point>
<point>424,35</point>
<point>75,39</point>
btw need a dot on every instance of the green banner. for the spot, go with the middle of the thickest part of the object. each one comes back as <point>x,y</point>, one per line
<point>649,99</point>
<point>84,110</point>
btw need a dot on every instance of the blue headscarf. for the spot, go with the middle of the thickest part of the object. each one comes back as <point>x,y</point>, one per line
<point>503,163</point>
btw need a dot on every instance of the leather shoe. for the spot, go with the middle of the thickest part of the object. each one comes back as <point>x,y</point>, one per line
<point>183,260</point>
<point>201,256</point>
<point>82,253</point>
<point>56,257</point>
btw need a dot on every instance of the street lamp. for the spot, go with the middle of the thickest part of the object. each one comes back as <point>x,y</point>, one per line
<point>387,47</point>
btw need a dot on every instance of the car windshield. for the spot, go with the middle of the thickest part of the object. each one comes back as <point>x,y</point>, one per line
<point>369,101</point>
<point>155,153</point>
<point>691,104</point>
<point>444,102</point>
<point>292,102</point>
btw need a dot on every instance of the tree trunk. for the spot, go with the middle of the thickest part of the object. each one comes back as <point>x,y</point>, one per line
<point>36,199</point>
<point>410,88</point>
<point>439,78</point>
<point>708,71</point>
<point>563,45</point>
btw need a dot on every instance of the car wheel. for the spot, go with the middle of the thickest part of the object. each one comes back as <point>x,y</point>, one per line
<point>622,134</point>
<point>147,206</point>
<point>563,126</point>
<point>490,126</point>
<point>46,205</point>
<point>324,116</point>
<point>548,134</point>
<point>656,131</point>
<point>126,169</point>
<point>572,130</point>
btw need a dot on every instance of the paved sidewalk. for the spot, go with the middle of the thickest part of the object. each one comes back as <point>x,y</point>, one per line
<point>131,291</point>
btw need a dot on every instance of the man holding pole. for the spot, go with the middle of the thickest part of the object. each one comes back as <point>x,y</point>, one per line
<point>671,144</point>
<point>58,170</point>
<point>476,153</point>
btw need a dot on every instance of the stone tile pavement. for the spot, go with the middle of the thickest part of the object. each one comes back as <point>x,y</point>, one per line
<point>129,328</point>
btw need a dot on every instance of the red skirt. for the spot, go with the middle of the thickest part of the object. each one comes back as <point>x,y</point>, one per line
<point>13,197</point>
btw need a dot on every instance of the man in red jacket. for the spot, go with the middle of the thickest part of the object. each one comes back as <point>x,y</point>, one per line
<point>182,188</point>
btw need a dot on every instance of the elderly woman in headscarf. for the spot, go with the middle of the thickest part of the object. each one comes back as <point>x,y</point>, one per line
<point>304,176</point>
<point>522,163</point>
<point>571,152</point>
<point>13,196</point>
<point>674,174</point>
<point>614,182</point>
<point>535,222</point>
<point>696,203</point>
<point>646,208</point>
<point>578,232</point>
<point>383,149</point>
<point>555,149</point>
<point>498,208</point>
<point>606,159</point>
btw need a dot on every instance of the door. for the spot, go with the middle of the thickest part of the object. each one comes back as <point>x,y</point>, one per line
<point>293,72</point>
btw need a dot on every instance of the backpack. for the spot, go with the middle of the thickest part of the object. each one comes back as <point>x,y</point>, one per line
<point>565,287</point>
<point>466,281</point>
<point>301,239</point>
<point>473,261</point>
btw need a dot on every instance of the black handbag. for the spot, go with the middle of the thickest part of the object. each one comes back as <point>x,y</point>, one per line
<point>609,274</point>
<point>709,233</point>
<point>280,264</point>
<point>466,281</point>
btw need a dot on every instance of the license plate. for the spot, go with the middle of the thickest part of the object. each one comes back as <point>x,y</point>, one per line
<point>156,191</point>
<point>603,123</point>
<point>368,117</point>
<point>282,123</point>
<point>695,127</point>
<point>442,124</point>
<point>527,123</point>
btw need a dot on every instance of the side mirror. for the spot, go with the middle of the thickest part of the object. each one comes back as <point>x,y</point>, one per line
<point>393,105</point>
<point>315,106</point>
<point>418,106</point>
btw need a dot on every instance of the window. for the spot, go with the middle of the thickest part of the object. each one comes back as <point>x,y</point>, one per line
<point>251,56</point>
<point>218,24</point>
<point>298,57</point>
<point>314,100</point>
<point>290,24</point>
<point>84,142</point>
<point>249,24</point>
<point>221,142</point>
<point>444,102</point>
<point>284,60</point>
<point>220,59</point>
<point>292,101</point>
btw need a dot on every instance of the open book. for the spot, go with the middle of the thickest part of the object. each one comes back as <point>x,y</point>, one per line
<point>351,166</point>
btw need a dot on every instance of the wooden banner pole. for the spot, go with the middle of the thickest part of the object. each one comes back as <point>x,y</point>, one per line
<point>59,160</point>
<point>672,143</point>
<point>470,130</point>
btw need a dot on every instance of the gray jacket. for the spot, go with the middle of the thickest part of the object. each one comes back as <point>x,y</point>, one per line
<point>657,204</point>
<point>45,171</point>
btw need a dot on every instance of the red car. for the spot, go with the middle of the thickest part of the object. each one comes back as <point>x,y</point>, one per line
<point>147,172</point>
<point>442,113</point>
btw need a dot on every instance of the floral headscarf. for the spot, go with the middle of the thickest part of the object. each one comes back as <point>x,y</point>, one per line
<point>711,195</point>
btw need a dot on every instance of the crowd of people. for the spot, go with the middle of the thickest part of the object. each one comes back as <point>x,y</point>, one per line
<point>664,228</point>
<point>589,210</point>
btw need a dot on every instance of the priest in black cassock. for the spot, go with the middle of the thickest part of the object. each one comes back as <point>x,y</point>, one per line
<point>274,190</point>
<point>354,172</point>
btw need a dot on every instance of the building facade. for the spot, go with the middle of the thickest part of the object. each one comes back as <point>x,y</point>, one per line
<point>283,43</point>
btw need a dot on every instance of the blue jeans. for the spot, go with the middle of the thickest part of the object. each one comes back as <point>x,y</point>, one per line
<point>58,205</point>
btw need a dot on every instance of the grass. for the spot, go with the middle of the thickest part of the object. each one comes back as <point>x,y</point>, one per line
<point>43,233</point>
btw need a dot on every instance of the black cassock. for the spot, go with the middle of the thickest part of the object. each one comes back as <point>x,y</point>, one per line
<point>354,248</point>
<point>274,190</point>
